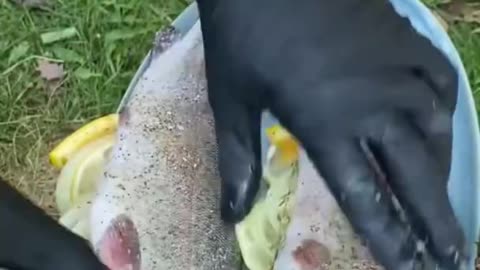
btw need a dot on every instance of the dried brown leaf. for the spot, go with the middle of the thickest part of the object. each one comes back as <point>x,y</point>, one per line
<point>455,6</point>
<point>472,14</point>
<point>50,71</point>
<point>460,10</point>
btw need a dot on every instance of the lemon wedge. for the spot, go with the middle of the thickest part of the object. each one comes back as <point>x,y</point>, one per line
<point>82,172</point>
<point>93,130</point>
<point>261,233</point>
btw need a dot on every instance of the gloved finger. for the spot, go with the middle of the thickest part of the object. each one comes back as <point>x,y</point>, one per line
<point>437,127</point>
<point>439,73</point>
<point>420,183</point>
<point>31,240</point>
<point>365,202</point>
<point>238,134</point>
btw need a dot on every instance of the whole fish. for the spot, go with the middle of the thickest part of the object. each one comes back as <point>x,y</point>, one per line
<point>158,204</point>
<point>157,207</point>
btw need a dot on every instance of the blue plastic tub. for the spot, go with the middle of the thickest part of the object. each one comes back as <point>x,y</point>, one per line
<point>465,176</point>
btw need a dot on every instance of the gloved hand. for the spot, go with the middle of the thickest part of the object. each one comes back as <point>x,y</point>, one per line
<point>30,240</point>
<point>369,98</point>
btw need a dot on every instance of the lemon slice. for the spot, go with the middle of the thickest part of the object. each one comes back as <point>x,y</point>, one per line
<point>81,174</point>
<point>261,233</point>
<point>90,132</point>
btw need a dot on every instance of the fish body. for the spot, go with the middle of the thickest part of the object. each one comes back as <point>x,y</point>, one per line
<point>157,207</point>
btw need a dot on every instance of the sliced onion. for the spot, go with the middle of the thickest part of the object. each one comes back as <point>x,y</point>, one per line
<point>77,217</point>
<point>82,172</point>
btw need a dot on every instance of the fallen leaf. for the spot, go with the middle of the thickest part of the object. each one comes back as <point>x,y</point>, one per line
<point>50,71</point>
<point>85,74</point>
<point>67,55</point>
<point>33,4</point>
<point>55,36</point>
<point>455,6</point>
<point>472,14</point>
<point>460,10</point>
<point>18,52</point>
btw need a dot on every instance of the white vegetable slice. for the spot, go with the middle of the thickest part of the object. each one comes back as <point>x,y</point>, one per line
<point>77,212</point>
<point>82,172</point>
<point>82,229</point>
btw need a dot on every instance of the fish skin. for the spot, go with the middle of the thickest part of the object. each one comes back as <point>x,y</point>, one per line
<point>161,189</point>
<point>318,236</point>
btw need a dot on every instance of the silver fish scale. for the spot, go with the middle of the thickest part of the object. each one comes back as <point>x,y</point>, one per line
<point>165,161</point>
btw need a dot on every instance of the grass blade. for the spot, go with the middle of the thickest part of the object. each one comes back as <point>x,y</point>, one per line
<point>55,36</point>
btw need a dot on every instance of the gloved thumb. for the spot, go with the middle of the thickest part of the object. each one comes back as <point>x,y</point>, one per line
<point>237,129</point>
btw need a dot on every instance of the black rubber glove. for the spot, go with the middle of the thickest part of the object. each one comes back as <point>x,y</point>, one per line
<point>30,240</point>
<point>370,99</point>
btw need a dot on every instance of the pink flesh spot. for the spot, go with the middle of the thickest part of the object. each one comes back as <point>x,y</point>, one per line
<point>119,247</point>
<point>312,255</point>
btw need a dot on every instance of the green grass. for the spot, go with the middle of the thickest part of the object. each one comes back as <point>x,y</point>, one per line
<point>99,61</point>
<point>468,45</point>
<point>113,37</point>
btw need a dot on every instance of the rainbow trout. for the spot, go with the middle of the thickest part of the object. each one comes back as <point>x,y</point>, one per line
<point>157,207</point>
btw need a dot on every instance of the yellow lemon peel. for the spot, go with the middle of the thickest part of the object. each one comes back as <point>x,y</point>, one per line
<point>285,143</point>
